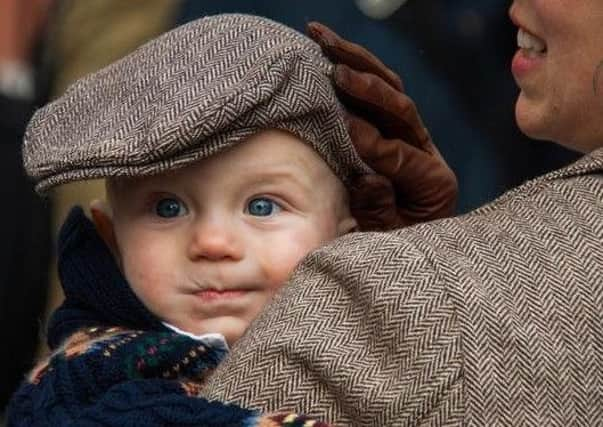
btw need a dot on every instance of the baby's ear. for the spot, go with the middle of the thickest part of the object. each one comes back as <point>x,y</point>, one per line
<point>103,221</point>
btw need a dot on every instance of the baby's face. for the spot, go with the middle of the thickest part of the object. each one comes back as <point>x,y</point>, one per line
<point>206,247</point>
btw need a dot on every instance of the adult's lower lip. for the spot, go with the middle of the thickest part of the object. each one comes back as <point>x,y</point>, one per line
<point>525,62</point>
<point>213,295</point>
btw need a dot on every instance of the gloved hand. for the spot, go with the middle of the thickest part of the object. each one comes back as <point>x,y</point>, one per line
<point>413,182</point>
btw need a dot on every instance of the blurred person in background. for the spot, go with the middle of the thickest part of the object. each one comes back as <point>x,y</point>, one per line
<point>25,242</point>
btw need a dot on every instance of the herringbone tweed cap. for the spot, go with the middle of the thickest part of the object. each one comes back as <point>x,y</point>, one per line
<point>490,319</point>
<point>186,95</point>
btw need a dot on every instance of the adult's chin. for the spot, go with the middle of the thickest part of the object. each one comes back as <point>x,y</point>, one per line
<point>537,120</point>
<point>530,118</point>
<point>545,126</point>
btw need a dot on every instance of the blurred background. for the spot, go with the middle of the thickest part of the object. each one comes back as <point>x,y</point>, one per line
<point>454,58</point>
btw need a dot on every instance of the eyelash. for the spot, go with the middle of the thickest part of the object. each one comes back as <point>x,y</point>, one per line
<point>156,205</point>
<point>275,203</point>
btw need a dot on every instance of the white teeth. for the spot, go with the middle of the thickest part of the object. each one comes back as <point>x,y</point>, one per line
<point>529,41</point>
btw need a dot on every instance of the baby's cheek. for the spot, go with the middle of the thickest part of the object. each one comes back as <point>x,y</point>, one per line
<point>144,277</point>
<point>139,281</point>
<point>281,260</point>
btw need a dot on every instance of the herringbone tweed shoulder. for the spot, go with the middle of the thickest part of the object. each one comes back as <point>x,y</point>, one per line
<point>494,318</point>
<point>187,95</point>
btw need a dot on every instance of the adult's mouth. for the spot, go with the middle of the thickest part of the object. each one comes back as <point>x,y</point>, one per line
<point>529,58</point>
<point>530,44</point>
<point>531,53</point>
<point>528,40</point>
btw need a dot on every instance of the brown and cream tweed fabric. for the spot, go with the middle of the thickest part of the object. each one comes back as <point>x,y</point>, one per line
<point>494,318</point>
<point>186,95</point>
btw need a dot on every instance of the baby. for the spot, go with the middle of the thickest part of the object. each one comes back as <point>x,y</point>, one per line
<point>226,160</point>
<point>205,247</point>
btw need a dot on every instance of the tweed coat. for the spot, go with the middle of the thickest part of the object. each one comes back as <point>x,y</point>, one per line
<point>494,318</point>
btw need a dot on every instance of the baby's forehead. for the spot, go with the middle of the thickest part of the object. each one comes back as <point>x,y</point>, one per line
<point>186,96</point>
<point>270,150</point>
<point>269,157</point>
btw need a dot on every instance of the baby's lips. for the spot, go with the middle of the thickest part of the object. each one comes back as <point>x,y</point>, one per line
<point>226,294</point>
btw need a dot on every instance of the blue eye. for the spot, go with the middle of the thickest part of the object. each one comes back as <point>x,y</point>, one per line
<point>170,208</point>
<point>262,206</point>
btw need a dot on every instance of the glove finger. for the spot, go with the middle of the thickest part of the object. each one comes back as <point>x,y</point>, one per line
<point>384,156</point>
<point>377,205</point>
<point>341,51</point>
<point>373,203</point>
<point>393,112</point>
<point>425,187</point>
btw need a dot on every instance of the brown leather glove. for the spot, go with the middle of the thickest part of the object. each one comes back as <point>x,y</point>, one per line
<point>413,182</point>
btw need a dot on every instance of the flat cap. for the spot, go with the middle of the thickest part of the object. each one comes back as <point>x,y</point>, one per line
<point>187,95</point>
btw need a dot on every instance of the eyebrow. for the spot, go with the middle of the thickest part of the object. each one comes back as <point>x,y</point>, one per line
<point>277,176</point>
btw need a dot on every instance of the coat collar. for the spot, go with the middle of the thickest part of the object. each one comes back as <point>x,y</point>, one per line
<point>591,163</point>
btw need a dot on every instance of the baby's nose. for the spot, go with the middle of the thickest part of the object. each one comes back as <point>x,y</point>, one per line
<point>215,240</point>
